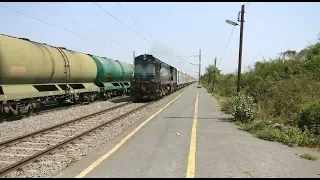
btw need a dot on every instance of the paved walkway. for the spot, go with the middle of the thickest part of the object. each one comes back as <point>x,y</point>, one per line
<point>206,146</point>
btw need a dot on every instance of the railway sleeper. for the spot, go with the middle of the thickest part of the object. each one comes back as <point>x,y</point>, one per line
<point>31,170</point>
<point>80,144</point>
<point>27,148</point>
<point>41,144</point>
<point>84,125</point>
<point>45,139</point>
<point>76,127</point>
<point>62,134</point>
<point>88,123</point>
<point>54,136</point>
<point>13,155</point>
<point>5,162</point>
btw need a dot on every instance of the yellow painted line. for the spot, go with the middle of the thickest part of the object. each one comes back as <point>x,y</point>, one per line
<point>105,156</point>
<point>192,152</point>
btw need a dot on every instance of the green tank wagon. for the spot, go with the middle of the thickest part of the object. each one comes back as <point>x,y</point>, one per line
<point>113,76</point>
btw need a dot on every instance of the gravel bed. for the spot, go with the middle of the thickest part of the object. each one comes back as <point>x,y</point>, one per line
<point>51,164</point>
<point>12,129</point>
<point>66,132</point>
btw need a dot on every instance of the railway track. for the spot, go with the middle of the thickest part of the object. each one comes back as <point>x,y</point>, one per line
<point>51,108</point>
<point>21,150</point>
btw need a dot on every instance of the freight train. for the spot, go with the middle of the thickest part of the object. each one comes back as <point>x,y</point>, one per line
<point>154,78</point>
<point>34,74</point>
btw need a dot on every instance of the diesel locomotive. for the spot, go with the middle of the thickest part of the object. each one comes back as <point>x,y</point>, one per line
<point>154,78</point>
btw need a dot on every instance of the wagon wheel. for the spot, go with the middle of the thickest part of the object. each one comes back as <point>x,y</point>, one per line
<point>1,114</point>
<point>60,101</point>
<point>104,96</point>
<point>128,92</point>
<point>109,95</point>
<point>91,97</point>
<point>30,109</point>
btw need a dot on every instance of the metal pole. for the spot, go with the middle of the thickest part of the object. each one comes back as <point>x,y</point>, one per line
<point>199,65</point>
<point>240,47</point>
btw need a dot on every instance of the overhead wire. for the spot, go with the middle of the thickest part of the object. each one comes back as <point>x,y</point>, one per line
<point>123,23</point>
<point>226,45</point>
<point>247,5</point>
<point>187,61</point>
<point>139,25</point>
<point>82,25</point>
<point>53,25</point>
<point>137,22</point>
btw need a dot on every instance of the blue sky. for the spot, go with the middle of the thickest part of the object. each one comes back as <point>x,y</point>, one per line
<point>182,29</point>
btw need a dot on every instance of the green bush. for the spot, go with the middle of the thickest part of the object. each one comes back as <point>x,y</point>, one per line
<point>286,90</point>
<point>291,136</point>
<point>310,118</point>
<point>226,105</point>
<point>242,108</point>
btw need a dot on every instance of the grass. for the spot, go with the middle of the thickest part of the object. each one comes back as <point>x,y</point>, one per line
<point>287,135</point>
<point>248,173</point>
<point>309,157</point>
<point>285,93</point>
<point>273,129</point>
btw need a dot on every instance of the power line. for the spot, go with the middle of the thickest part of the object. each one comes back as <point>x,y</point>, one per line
<point>52,24</point>
<point>226,45</point>
<point>122,23</point>
<point>247,5</point>
<point>136,22</point>
<point>139,24</point>
<point>186,61</point>
<point>135,31</point>
<point>82,26</point>
<point>130,27</point>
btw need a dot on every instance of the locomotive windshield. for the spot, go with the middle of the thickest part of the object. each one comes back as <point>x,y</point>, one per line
<point>144,68</point>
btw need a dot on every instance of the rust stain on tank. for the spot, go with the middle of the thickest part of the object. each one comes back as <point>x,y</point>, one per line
<point>17,71</point>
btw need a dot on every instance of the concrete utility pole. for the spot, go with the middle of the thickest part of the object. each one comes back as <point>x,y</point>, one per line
<point>215,68</point>
<point>134,57</point>
<point>240,47</point>
<point>199,66</point>
<point>215,62</point>
<point>241,20</point>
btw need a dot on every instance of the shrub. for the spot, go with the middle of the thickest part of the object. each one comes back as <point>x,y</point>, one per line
<point>242,108</point>
<point>310,118</point>
<point>226,105</point>
<point>286,91</point>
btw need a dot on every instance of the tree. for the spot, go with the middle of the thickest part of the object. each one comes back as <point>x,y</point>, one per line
<point>210,76</point>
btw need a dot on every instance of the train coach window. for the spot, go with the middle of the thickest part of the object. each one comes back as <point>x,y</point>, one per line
<point>1,90</point>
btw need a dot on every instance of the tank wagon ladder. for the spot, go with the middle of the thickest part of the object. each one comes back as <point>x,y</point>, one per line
<point>66,71</point>
<point>122,74</point>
